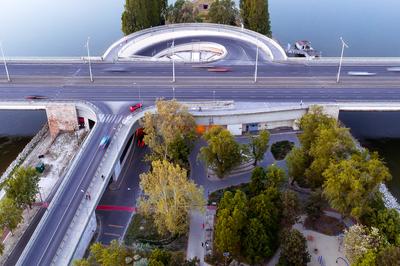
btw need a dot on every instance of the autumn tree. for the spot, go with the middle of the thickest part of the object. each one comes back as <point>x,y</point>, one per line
<point>388,256</point>
<point>170,132</point>
<point>255,16</point>
<point>297,162</point>
<point>258,181</point>
<point>183,11</point>
<point>230,221</point>
<point>22,186</point>
<point>274,176</point>
<point>159,257</point>
<point>223,153</point>
<point>293,249</point>
<point>351,185</point>
<point>388,223</point>
<point>10,214</point>
<point>169,196</point>
<point>359,240</point>
<point>223,12</point>
<point>111,255</point>
<point>290,208</point>
<point>143,14</point>
<point>258,145</point>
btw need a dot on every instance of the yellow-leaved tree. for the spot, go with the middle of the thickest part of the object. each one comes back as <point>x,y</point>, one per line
<point>169,196</point>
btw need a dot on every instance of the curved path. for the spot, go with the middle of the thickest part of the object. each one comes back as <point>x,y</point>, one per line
<point>130,45</point>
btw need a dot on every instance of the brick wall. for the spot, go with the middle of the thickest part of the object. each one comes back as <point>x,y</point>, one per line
<point>61,118</point>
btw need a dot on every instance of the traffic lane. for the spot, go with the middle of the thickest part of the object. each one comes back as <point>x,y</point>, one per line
<point>112,225</point>
<point>165,69</point>
<point>237,93</point>
<point>52,233</point>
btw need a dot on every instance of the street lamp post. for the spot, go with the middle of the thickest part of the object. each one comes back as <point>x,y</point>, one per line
<point>90,62</point>
<point>173,61</point>
<point>5,63</point>
<point>256,65</point>
<point>173,93</point>
<point>341,58</point>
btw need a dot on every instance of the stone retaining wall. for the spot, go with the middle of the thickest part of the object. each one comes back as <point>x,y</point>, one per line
<point>24,153</point>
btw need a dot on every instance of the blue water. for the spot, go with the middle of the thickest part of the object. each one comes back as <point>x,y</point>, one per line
<point>60,27</point>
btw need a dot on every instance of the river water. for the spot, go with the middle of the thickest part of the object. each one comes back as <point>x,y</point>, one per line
<point>60,28</point>
<point>379,131</point>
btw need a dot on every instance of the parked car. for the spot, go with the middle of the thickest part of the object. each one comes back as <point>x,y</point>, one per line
<point>105,141</point>
<point>35,97</point>
<point>133,108</point>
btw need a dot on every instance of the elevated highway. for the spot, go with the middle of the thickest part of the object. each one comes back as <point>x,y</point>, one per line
<point>119,80</point>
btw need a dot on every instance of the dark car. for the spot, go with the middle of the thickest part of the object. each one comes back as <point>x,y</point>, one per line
<point>135,107</point>
<point>35,97</point>
<point>219,69</point>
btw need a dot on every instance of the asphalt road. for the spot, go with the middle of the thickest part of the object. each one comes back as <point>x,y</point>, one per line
<point>114,82</point>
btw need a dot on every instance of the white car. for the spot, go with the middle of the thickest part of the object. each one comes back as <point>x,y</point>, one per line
<point>360,73</point>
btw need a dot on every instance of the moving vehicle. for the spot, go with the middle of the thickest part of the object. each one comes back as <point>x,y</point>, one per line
<point>219,69</point>
<point>35,97</point>
<point>105,141</point>
<point>360,73</point>
<point>135,107</point>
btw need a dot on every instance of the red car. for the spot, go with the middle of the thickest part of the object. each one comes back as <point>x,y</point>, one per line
<point>219,69</point>
<point>133,108</point>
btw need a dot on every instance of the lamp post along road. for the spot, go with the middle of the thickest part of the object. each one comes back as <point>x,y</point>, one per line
<point>5,63</point>
<point>173,61</point>
<point>256,64</point>
<point>173,93</point>
<point>341,59</point>
<point>90,63</point>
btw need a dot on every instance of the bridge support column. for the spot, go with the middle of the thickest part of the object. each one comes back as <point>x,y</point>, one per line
<point>331,110</point>
<point>61,118</point>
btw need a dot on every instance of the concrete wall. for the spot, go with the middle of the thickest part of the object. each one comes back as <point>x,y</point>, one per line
<point>61,117</point>
<point>86,238</point>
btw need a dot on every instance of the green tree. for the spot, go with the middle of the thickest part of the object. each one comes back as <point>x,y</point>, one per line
<point>10,214</point>
<point>159,257</point>
<point>223,12</point>
<point>170,132</point>
<point>169,196</point>
<point>258,181</point>
<point>331,144</point>
<point>230,222</point>
<point>388,256</point>
<point>290,208</point>
<point>255,16</point>
<point>274,176</point>
<point>183,11</point>
<point>293,249</point>
<point>351,185</point>
<point>258,145</point>
<point>257,244</point>
<point>314,205</point>
<point>223,153</point>
<point>297,162</point>
<point>388,223</point>
<point>22,186</point>
<point>142,14</point>
<point>112,255</point>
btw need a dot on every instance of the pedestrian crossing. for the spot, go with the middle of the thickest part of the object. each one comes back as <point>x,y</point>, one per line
<point>110,118</point>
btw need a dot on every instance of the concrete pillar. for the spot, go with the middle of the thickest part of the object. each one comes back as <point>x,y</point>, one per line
<point>61,117</point>
<point>332,110</point>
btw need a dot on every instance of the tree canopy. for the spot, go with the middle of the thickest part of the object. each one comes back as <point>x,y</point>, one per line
<point>170,132</point>
<point>22,186</point>
<point>10,214</point>
<point>258,145</point>
<point>255,16</point>
<point>143,14</point>
<point>223,12</point>
<point>112,255</point>
<point>183,11</point>
<point>169,196</point>
<point>351,185</point>
<point>293,249</point>
<point>223,153</point>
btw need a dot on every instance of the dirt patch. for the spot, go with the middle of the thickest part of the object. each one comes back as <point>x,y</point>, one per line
<point>326,225</point>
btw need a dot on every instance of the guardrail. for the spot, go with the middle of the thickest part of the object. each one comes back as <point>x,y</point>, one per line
<point>65,179</point>
<point>111,54</point>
